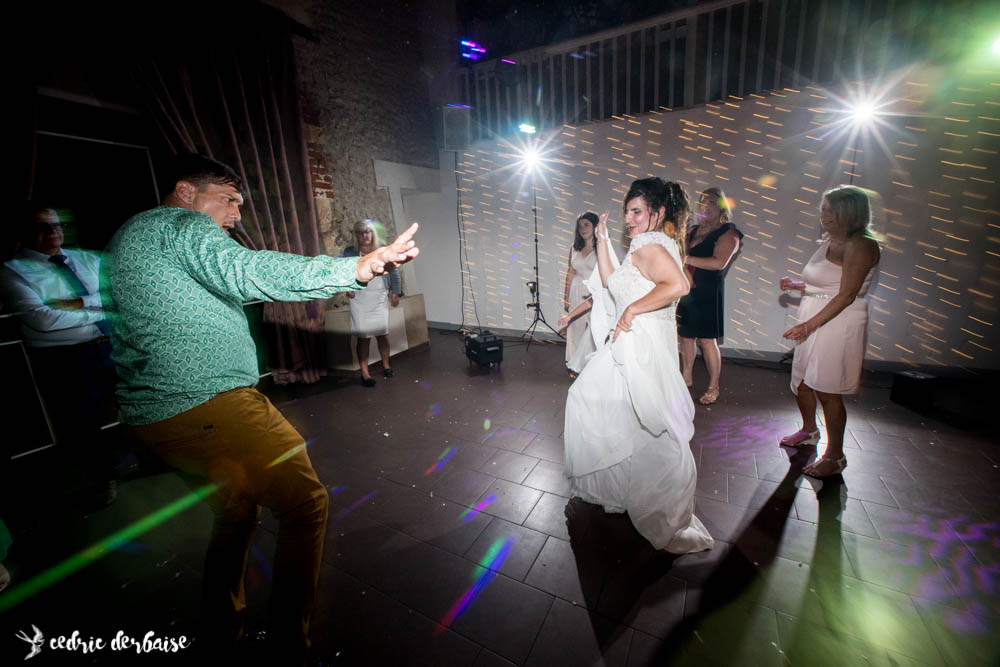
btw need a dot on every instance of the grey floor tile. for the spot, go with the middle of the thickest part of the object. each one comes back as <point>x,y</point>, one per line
<point>803,642</point>
<point>546,447</point>
<point>354,629</point>
<point>713,484</point>
<point>573,576</point>
<point>549,516</point>
<point>510,466</point>
<point>507,500</point>
<point>573,636</point>
<point>853,518</point>
<point>961,638</point>
<point>909,569</point>
<point>462,486</point>
<point>511,439</point>
<point>416,531</point>
<point>504,615</point>
<point>507,547</point>
<point>550,477</point>
<point>488,658</point>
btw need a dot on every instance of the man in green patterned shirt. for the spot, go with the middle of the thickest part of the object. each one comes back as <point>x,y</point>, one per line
<point>188,368</point>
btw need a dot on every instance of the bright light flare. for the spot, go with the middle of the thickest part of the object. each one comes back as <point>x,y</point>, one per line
<point>530,159</point>
<point>527,128</point>
<point>863,113</point>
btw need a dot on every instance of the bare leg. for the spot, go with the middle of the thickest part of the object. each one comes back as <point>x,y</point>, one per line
<point>362,349</point>
<point>383,349</point>
<point>713,362</point>
<point>806,399</point>
<point>688,354</point>
<point>836,421</point>
<point>833,461</point>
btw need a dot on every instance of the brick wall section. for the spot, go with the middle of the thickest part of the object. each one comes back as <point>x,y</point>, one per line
<point>364,97</point>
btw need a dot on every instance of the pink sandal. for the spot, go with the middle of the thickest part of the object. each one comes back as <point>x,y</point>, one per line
<point>799,439</point>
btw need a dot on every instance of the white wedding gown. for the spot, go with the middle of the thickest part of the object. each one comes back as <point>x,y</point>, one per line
<point>629,421</point>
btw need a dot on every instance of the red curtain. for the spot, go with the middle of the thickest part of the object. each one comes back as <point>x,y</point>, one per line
<point>239,104</point>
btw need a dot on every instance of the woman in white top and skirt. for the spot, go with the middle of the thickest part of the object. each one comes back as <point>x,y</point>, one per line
<point>833,319</point>
<point>370,307</point>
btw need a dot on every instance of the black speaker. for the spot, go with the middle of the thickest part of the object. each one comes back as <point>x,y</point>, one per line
<point>914,390</point>
<point>484,349</point>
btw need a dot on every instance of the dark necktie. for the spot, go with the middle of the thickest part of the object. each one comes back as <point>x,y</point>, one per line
<point>76,285</point>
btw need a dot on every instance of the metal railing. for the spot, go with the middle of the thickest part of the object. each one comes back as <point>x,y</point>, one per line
<point>700,54</point>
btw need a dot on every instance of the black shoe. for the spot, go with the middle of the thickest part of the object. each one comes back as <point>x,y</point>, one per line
<point>387,373</point>
<point>368,382</point>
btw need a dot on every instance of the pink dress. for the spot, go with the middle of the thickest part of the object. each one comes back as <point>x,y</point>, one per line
<point>830,359</point>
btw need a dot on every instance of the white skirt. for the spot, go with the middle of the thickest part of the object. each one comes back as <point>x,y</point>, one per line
<point>830,359</point>
<point>627,432</point>
<point>370,310</point>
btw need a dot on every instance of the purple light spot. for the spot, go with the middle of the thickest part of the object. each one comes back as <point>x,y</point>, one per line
<point>470,512</point>
<point>503,432</point>
<point>494,559</point>
<point>355,505</point>
<point>441,460</point>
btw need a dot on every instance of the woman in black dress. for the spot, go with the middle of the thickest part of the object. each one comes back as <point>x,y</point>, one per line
<point>711,246</point>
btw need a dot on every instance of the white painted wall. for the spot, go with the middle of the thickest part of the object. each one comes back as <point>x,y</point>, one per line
<point>936,298</point>
<point>427,196</point>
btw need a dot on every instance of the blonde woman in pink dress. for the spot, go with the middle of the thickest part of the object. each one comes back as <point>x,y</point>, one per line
<point>833,318</point>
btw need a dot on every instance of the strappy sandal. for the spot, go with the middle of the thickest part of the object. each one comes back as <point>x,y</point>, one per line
<point>836,466</point>
<point>799,439</point>
<point>710,396</point>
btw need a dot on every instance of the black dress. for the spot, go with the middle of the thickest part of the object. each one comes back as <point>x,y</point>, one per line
<point>700,312</point>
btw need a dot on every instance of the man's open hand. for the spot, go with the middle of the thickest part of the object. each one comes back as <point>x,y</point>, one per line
<point>388,257</point>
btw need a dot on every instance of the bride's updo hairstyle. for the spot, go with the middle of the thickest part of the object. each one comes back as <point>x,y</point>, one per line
<point>672,198</point>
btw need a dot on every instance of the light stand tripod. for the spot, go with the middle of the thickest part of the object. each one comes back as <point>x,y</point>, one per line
<point>535,287</point>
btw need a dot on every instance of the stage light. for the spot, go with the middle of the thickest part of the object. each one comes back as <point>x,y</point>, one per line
<point>471,50</point>
<point>996,47</point>
<point>530,159</point>
<point>527,128</point>
<point>863,113</point>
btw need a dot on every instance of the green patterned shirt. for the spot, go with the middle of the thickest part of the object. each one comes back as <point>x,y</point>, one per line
<point>177,284</point>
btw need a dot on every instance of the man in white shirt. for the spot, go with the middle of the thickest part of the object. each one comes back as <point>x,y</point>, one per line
<point>55,295</point>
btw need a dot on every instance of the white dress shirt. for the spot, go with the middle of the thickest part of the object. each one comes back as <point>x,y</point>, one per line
<point>29,280</point>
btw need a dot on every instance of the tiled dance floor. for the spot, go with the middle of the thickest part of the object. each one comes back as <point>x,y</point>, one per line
<point>452,542</point>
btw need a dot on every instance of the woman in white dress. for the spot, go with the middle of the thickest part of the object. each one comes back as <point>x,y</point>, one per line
<point>582,262</point>
<point>370,307</point>
<point>833,321</point>
<point>629,414</point>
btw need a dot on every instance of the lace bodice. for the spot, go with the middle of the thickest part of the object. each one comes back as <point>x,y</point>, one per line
<point>628,285</point>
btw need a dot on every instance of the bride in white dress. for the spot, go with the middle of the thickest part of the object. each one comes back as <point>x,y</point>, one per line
<point>629,414</point>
